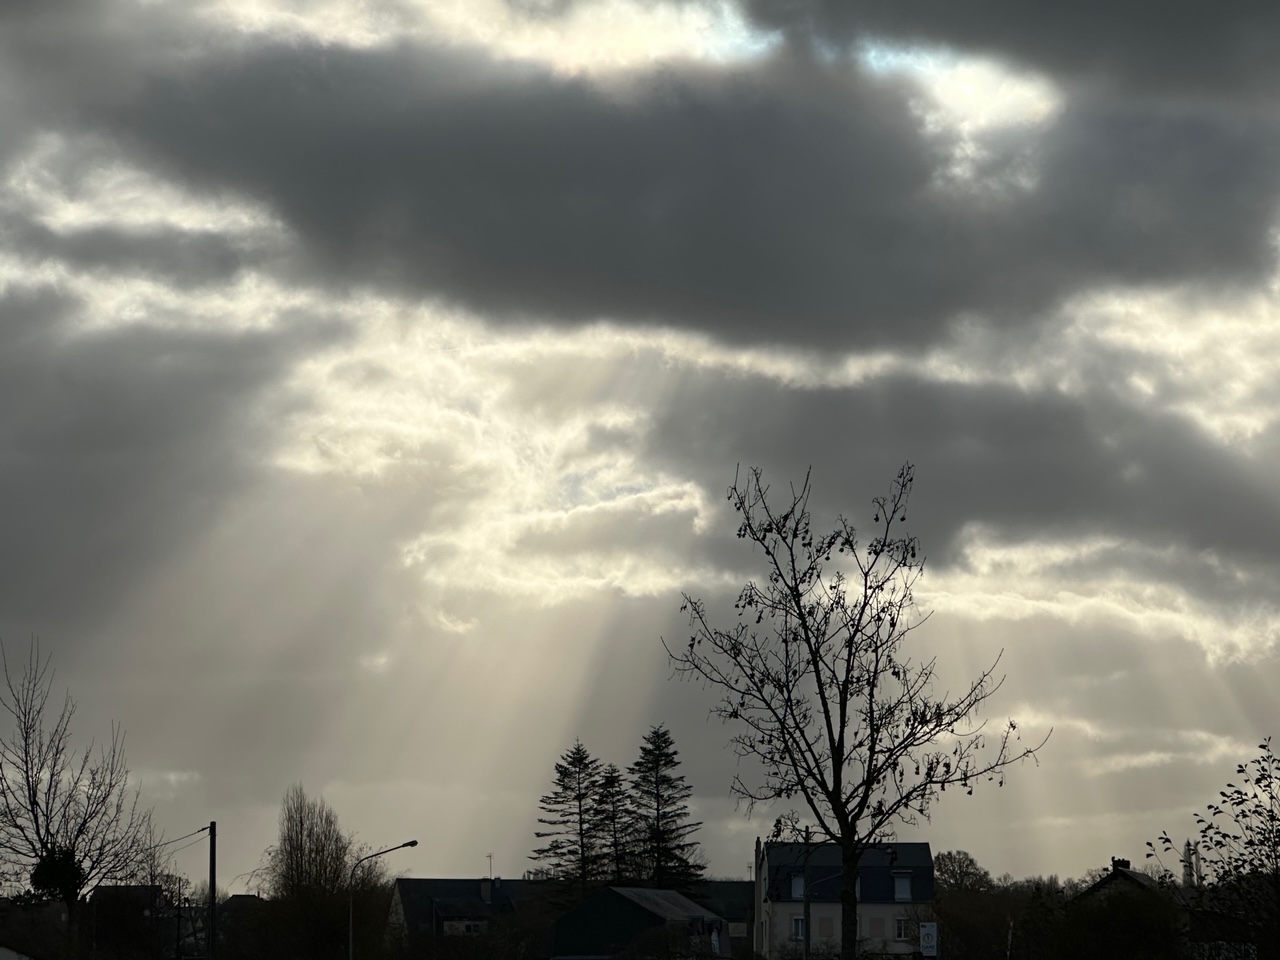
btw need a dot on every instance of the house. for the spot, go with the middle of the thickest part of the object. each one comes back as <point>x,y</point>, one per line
<point>895,895</point>
<point>240,921</point>
<point>123,919</point>
<point>1129,904</point>
<point>1123,880</point>
<point>642,921</point>
<point>425,912</point>
<point>734,902</point>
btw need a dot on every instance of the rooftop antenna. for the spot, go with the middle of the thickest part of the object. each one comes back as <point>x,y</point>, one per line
<point>490,856</point>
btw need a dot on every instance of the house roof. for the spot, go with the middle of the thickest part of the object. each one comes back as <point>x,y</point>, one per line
<point>829,855</point>
<point>666,904</point>
<point>785,861</point>
<point>1137,876</point>
<point>462,908</point>
<point>124,893</point>
<point>241,901</point>
<point>613,918</point>
<point>1129,878</point>
<point>454,898</point>
<point>732,899</point>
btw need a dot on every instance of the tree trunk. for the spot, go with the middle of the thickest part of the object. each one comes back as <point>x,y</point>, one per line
<point>851,854</point>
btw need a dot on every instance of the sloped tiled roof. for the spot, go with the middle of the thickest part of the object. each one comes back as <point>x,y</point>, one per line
<point>462,908</point>
<point>453,898</point>
<point>1134,878</point>
<point>733,900</point>
<point>828,855</point>
<point>826,873</point>
<point>666,904</point>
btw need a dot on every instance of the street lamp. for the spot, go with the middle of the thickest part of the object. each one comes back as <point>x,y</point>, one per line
<point>351,894</point>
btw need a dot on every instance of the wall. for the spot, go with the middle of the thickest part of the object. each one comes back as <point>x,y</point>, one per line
<point>876,923</point>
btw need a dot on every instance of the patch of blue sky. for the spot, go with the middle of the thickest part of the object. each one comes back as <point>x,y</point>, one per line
<point>881,57</point>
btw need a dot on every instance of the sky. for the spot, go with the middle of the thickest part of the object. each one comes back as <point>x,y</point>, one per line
<point>372,373</point>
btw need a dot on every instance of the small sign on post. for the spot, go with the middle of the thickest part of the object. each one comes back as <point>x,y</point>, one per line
<point>928,939</point>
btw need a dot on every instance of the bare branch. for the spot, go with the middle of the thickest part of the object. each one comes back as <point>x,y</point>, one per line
<point>816,676</point>
<point>58,806</point>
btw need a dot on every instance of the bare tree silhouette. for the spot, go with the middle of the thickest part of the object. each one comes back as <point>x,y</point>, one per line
<point>816,673</point>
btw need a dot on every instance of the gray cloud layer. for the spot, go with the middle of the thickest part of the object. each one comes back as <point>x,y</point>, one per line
<point>1163,47</point>
<point>1035,464</point>
<point>117,447</point>
<point>788,201</point>
<point>234,611</point>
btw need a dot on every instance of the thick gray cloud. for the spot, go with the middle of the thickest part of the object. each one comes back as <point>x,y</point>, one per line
<point>1033,466</point>
<point>984,452</point>
<point>117,445</point>
<point>785,201</point>
<point>1174,48</point>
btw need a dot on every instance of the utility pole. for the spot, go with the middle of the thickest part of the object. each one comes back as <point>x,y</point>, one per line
<point>807,848</point>
<point>177,923</point>
<point>213,889</point>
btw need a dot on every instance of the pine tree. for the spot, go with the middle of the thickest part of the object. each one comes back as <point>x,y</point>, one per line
<point>661,814</point>
<point>616,819</point>
<point>571,813</point>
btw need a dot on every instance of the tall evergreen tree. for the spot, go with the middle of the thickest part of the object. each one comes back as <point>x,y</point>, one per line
<point>659,798</point>
<point>616,819</point>
<point>570,809</point>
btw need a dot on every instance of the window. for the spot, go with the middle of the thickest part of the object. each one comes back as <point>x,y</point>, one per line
<point>797,928</point>
<point>797,887</point>
<point>902,929</point>
<point>471,928</point>
<point>876,927</point>
<point>902,888</point>
<point>826,928</point>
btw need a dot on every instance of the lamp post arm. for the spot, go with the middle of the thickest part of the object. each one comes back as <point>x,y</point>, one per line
<point>351,893</point>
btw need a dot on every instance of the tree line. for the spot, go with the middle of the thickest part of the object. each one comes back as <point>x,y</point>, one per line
<point>72,819</point>
<point>1152,917</point>
<point>604,825</point>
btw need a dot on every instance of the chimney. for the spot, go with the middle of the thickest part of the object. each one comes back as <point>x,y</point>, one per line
<point>485,891</point>
<point>1188,868</point>
<point>1118,864</point>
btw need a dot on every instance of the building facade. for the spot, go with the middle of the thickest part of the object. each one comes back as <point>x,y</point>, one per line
<point>895,895</point>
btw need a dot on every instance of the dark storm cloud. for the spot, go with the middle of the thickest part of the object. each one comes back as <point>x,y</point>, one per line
<point>1031,466</point>
<point>787,200</point>
<point>115,446</point>
<point>1166,47</point>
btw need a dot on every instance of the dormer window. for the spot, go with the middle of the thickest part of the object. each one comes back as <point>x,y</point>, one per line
<point>797,887</point>
<point>902,888</point>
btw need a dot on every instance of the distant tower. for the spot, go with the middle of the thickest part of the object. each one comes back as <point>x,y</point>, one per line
<point>1192,876</point>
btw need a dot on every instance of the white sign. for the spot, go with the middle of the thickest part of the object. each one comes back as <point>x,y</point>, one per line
<point>929,939</point>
